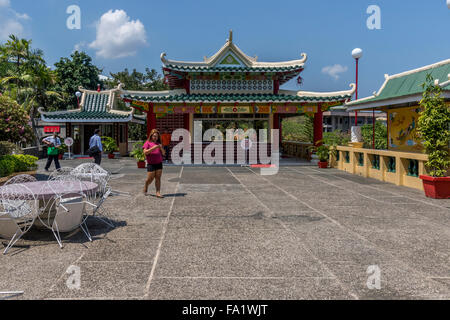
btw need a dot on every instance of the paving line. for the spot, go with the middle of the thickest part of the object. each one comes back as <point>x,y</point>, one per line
<point>248,278</point>
<point>344,287</point>
<point>394,258</point>
<point>428,219</point>
<point>390,192</point>
<point>158,251</point>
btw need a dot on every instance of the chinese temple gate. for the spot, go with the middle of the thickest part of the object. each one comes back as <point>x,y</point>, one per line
<point>231,87</point>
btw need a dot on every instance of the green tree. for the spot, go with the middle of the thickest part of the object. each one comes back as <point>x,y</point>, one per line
<point>151,80</point>
<point>14,126</point>
<point>26,77</point>
<point>298,129</point>
<point>73,72</point>
<point>380,135</point>
<point>433,128</point>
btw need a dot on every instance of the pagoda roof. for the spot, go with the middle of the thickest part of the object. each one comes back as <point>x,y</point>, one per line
<point>239,61</point>
<point>405,87</point>
<point>284,96</point>
<point>94,107</point>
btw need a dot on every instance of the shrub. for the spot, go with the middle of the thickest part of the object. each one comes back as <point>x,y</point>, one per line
<point>7,147</point>
<point>6,167</point>
<point>109,144</point>
<point>336,138</point>
<point>433,128</point>
<point>138,152</point>
<point>380,135</point>
<point>14,125</point>
<point>20,162</point>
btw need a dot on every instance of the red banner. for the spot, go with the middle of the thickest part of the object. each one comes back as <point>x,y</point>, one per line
<point>51,129</point>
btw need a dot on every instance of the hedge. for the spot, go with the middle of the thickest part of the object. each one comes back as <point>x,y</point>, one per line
<point>17,163</point>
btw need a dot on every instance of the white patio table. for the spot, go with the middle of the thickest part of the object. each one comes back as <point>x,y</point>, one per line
<point>45,190</point>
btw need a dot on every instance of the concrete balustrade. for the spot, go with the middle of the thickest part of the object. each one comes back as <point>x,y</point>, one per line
<point>400,168</point>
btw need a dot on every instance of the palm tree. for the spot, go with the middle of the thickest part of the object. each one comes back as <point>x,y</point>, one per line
<point>28,81</point>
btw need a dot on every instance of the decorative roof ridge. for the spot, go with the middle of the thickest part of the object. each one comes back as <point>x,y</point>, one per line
<point>247,60</point>
<point>174,92</point>
<point>362,100</point>
<point>445,83</point>
<point>51,113</point>
<point>423,68</point>
<point>320,94</point>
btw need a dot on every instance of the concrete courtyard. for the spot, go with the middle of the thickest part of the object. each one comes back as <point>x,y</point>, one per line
<point>230,233</point>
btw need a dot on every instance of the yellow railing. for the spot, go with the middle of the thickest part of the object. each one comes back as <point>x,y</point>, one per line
<point>400,168</point>
<point>297,149</point>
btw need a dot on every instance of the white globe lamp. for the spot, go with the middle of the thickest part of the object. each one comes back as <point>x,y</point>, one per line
<point>357,52</point>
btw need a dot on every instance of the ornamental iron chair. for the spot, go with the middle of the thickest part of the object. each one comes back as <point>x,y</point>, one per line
<point>20,208</point>
<point>21,178</point>
<point>94,173</point>
<point>98,211</point>
<point>65,212</point>
<point>63,171</point>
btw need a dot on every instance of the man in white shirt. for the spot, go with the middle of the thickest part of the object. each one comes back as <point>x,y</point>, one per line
<point>52,142</point>
<point>96,141</point>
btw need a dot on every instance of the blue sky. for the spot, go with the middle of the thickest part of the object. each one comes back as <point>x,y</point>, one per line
<point>413,33</point>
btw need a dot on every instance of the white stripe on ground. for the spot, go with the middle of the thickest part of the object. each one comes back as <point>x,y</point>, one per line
<point>344,287</point>
<point>158,251</point>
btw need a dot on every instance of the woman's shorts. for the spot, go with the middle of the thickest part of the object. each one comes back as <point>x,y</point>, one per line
<point>154,167</point>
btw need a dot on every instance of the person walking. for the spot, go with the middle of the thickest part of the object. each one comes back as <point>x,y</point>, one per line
<point>53,143</point>
<point>166,137</point>
<point>96,147</point>
<point>154,153</point>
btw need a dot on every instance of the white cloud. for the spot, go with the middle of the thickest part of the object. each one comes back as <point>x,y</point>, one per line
<point>11,22</point>
<point>334,71</point>
<point>118,36</point>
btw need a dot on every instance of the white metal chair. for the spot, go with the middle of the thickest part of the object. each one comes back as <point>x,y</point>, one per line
<point>66,211</point>
<point>94,173</point>
<point>98,210</point>
<point>21,178</point>
<point>63,171</point>
<point>20,208</point>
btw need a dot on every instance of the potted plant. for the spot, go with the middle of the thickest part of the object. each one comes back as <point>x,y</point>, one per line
<point>110,146</point>
<point>138,154</point>
<point>433,127</point>
<point>323,152</point>
<point>62,149</point>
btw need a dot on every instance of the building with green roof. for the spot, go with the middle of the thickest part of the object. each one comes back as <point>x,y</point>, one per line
<point>231,89</point>
<point>97,109</point>
<point>399,97</point>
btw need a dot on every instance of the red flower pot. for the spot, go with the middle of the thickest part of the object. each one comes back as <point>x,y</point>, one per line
<point>110,155</point>
<point>323,164</point>
<point>141,164</point>
<point>436,187</point>
<point>60,156</point>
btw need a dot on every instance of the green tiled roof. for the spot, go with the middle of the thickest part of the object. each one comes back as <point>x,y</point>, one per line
<point>87,115</point>
<point>409,84</point>
<point>96,102</point>
<point>234,98</point>
<point>233,69</point>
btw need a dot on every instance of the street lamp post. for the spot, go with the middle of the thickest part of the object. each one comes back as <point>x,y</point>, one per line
<point>356,54</point>
<point>78,95</point>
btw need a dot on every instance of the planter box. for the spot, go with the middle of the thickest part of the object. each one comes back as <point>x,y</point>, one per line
<point>436,187</point>
<point>141,164</point>
<point>110,155</point>
<point>323,164</point>
<point>4,179</point>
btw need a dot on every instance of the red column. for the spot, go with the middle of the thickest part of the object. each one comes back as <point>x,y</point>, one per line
<point>318,124</point>
<point>126,137</point>
<point>186,121</point>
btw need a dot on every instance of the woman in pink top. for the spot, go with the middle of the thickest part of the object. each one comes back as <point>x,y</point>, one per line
<point>154,153</point>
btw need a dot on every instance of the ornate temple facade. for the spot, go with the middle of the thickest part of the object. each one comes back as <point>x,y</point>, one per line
<point>231,90</point>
